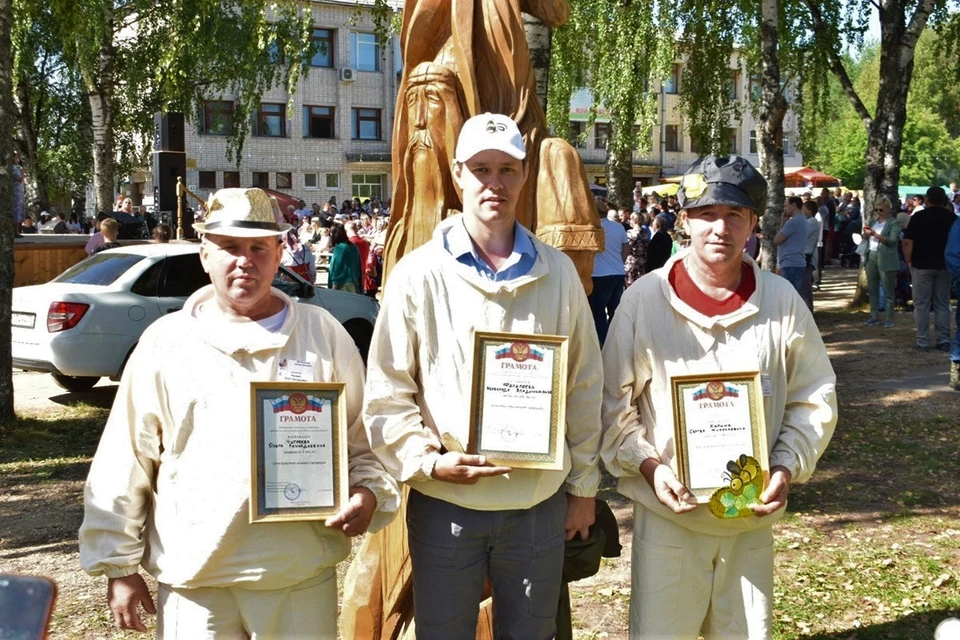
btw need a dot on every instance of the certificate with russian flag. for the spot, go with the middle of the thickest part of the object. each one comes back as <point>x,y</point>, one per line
<point>298,451</point>
<point>517,408</point>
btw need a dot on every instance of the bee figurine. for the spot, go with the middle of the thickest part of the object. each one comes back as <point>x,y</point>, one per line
<point>745,478</point>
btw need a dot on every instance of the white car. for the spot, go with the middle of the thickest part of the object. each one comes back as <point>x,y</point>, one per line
<point>84,324</point>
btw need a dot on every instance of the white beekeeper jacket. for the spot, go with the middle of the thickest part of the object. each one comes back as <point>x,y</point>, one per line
<point>170,483</point>
<point>420,369</point>
<point>655,336</point>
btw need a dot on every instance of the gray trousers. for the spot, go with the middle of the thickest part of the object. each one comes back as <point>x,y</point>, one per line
<point>452,551</point>
<point>931,284</point>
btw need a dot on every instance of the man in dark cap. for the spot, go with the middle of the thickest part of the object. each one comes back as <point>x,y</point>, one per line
<point>700,566</point>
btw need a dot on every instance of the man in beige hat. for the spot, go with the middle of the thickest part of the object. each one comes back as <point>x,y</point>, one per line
<point>169,486</point>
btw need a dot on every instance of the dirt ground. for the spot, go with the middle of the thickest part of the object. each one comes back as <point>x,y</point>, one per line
<point>39,517</point>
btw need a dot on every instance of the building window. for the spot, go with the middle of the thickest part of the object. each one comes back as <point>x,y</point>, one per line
<point>365,51</point>
<point>333,181</point>
<point>366,124</point>
<point>318,122</point>
<point>310,181</point>
<point>324,55</point>
<point>732,85</point>
<point>284,180</point>
<point>753,142</point>
<point>217,117</point>
<point>731,143</point>
<point>787,148</point>
<point>672,83</point>
<point>756,88</point>
<point>270,120</point>
<point>366,185</point>
<point>577,139</point>
<point>208,180</point>
<point>261,180</point>
<point>672,138</point>
<point>231,179</point>
<point>695,145</point>
<point>601,135</point>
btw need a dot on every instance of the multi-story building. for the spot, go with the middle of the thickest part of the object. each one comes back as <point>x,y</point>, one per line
<point>332,137</point>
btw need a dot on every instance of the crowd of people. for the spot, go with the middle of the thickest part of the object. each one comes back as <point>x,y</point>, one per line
<point>348,241</point>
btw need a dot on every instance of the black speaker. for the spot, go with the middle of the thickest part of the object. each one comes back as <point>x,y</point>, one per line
<point>168,132</point>
<point>167,167</point>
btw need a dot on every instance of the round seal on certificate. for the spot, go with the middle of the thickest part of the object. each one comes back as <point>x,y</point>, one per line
<point>291,491</point>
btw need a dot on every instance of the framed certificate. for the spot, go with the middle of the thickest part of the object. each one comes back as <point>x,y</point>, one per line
<point>721,440</point>
<point>298,451</point>
<point>517,408</point>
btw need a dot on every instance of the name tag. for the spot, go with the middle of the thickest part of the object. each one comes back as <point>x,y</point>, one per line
<point>289,370</point>
<point>766,384</point>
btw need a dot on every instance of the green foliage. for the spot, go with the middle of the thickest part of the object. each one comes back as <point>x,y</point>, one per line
<point>930,155</point>
<point>620,49</point>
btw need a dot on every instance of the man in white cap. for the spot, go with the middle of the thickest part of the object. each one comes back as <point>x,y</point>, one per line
<point>169,486</point>
<point>708,568</point>
<point>469,520</point>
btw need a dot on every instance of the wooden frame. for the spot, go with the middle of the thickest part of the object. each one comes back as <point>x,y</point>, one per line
<point>521,401</point>
<point>312,482</point>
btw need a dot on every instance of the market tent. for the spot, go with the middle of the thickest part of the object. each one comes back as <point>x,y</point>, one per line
<point>808,177</point>
<point>669,189</point>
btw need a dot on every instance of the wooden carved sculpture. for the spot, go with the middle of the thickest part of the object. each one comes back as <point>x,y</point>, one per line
<point>463,58</point>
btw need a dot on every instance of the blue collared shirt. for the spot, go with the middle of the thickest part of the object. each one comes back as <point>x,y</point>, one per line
<point>459,244</point>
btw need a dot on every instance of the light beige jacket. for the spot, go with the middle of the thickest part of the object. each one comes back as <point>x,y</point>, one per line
<point>420,369</point>
<point>170,483</point>
<point>655,335</point>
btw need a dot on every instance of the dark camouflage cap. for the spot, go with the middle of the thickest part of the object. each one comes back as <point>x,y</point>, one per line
<point>727,180</point>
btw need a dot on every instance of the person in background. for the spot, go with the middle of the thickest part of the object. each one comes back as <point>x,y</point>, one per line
<point>951,257</point>
<point>638,238</point>
<point>924,245</point>
<point>161,234</point>
<point>97,238</point>
<point>882,260</point>
<point>660,247</point>
<point>811,255</point>
<point>28,228</point>
<point>363,248</point>
<point>344,270</point>
<point>298,257</point>
<point>110,229</point>
<point>791,241</point>
<point>608,273</point>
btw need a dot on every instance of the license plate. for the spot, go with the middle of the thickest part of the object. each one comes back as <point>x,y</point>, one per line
<point>25,320</point>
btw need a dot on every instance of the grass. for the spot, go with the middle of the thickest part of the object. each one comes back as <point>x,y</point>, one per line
<point>64,434</point>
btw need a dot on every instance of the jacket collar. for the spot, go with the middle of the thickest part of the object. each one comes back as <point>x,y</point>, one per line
<point>243,335</point>
<point>470,275</point>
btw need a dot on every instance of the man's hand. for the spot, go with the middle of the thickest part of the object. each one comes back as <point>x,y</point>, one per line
<point>775,495</point>
<point>461,468</point>
<point>123,596</point>
<point>355,517</point>
<point>581,514</point>
<point>669,491</point>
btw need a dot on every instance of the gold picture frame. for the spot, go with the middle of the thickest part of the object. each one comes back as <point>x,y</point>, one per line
<point>721,438</point>
<point>518,399</point>
<point>298,447</point>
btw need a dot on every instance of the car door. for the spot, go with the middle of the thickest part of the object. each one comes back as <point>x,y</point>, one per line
<point>180,276</point>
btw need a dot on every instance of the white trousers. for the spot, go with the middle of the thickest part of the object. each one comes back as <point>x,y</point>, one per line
<point>686,583</point>
<point>305,610</point>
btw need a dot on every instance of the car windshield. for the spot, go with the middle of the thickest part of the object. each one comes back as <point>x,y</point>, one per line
<point>100,269</point>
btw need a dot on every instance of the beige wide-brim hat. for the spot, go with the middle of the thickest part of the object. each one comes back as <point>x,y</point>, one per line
<point>242,213</point>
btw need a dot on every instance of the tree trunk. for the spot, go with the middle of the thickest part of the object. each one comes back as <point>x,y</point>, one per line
<point>6,220</point>
<point>620,169</point>
<point>773,108</point>
<point>99,85</point>
<point>24,113</point>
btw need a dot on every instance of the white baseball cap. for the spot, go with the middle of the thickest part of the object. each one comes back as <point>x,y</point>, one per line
<point>490,132</point>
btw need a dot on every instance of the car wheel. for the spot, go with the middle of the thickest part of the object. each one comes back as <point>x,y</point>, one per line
<point>75,383</point>
<point>361,332</point>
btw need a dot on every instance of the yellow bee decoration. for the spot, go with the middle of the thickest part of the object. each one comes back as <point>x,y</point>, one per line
<point>746,484</point>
